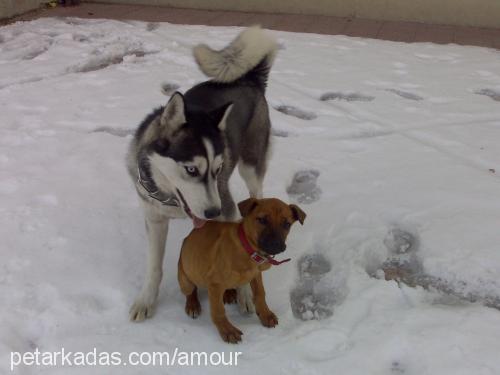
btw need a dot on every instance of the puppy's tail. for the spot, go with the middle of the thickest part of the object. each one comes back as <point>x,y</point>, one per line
<point>249,56</point>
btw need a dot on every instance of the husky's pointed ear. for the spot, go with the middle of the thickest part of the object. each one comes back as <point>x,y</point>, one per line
<point>247,206</point>
<point>173,114</point>
<point>297,213</point>
<point>220,115</point>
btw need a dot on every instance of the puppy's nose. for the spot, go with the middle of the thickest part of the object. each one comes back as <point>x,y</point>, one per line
<point>211,213</point>
<point>274,247</point>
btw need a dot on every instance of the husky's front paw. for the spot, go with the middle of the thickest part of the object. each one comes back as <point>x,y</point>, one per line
<point>245,300</point>
<point>141,310</point>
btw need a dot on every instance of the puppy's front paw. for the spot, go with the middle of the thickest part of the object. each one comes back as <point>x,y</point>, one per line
<point>268,319</point>
<point>141,310</point>
<point>228,332</point>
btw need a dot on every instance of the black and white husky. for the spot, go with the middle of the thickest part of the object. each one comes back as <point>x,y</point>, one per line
<point>183,154</point>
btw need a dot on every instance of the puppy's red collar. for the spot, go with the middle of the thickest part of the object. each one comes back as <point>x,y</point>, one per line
<point>256,257</point>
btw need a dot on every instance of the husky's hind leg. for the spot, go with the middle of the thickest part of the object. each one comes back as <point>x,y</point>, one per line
<point>252,166</point>
<point>251,178</point>
<point>255,151</point>
<point>229,212</point>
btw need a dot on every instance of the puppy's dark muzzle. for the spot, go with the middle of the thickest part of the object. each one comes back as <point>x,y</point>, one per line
<point>272,246</point>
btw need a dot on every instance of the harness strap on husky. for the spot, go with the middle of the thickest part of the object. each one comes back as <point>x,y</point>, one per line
<point>256,257</point>
<point>155,193</point>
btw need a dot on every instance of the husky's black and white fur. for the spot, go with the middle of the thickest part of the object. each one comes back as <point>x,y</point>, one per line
<point>184,153</point>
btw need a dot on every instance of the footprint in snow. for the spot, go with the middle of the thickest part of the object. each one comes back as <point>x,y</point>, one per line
<point>316,294</point>
<point>493,94</point>
<point>36,51</point>
<point>304,188</point>
<point>399,241</point>
<point>152,26</point>
<point>97,63</point>
<point>279,132</point>
<point>405,94</point>
<point>93,36</point>
<point>114,131</point>
<point>397,368</point>
<point>350,97</point>
<point>75,21</point>
<point>295,112</point>
<point>80,38</point>
<point>402,247</point>
<point>404,266</point>
<point>102,60</point>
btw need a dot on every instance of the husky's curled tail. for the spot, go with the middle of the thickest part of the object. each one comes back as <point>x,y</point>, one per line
<point>249,56</point>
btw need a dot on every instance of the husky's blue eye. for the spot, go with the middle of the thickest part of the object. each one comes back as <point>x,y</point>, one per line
<point>192,171</point>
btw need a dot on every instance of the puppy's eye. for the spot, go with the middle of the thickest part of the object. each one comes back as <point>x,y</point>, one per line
<point>262,220</point>
<point>287,225</point>
<point>191,170</point>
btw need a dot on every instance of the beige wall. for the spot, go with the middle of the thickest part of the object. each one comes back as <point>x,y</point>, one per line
<point>9,8</point>
<point>453,12</point>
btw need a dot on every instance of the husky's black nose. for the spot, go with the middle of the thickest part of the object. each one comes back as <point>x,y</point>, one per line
<point>211,213</point>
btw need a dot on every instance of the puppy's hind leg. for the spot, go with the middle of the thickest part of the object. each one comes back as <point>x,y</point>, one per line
<point>230,296</point>
<point>193,306</point>
<point>157,228</point>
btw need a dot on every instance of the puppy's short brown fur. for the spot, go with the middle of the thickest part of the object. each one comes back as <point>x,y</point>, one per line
<point>214,257</point>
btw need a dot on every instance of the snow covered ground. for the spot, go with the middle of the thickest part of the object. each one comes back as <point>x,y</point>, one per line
<point>406,138</point>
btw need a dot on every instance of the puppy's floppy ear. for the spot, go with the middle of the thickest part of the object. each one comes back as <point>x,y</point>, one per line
<point>220,115</point>
<point>173,114</point>
<point>298,214</point>
<point>247,206</point>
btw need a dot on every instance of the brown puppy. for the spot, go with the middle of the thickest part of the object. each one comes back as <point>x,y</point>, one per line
<point>221,256</point>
